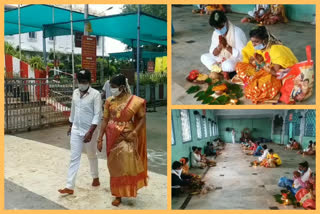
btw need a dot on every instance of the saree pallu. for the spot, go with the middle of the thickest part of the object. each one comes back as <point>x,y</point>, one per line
<point>261,87</point>
<point>127,161</point>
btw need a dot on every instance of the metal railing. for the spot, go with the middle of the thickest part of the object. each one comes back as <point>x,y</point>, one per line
<point>36,103</point>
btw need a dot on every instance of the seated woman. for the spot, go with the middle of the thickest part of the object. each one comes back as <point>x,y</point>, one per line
<point>273,160</point>
<point>261,84</point>
<point>178,182</point>
<point>305,173</point>
<point>259,150</point>
<point>307,195</point>
<point>205,160</point>
<point>210,8</point>
<point>309,150</point>
<point>256,14</point>
<point>295,145</point>
<point>253,147</point>
<point>262,157</point>
<point>209,151</point>
<point>196,159</point>
<point>276,14</point>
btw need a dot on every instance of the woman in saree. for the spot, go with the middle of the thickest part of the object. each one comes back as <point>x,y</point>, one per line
<point>125,128</point>
<point>273,160</point>
<point>264,57</point>
<point>275,15</point>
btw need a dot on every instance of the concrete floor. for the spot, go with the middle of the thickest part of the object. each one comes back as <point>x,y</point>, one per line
<point>193,38</point>
<point>244,187</point>
<point>38,170</point>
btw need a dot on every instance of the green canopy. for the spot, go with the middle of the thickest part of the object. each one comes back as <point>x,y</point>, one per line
<point>122,27</point>
<point>145,55</point>
<point>34,16</point>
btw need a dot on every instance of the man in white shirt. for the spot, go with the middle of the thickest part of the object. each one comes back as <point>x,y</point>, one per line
<point>106,90</point>
<point>227,43</point>
<point>84,118</point>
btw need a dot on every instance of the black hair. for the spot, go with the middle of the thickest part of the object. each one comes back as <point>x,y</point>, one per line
<point>194,148</point>
<point>306,80</point>
<point>310,142</point>
<point>270,150</point>
<point>259,32</point>
<point>176,165</point>
<point>208,143</point>
<point>304,164</point>
<point>291,139</point>
<point>264,146</point>
<point>84,75</point>
<point>199,148</point>
<point>258,143</point>
<point>118,80</point>
<point>217,19</point>
<point>187,159</point>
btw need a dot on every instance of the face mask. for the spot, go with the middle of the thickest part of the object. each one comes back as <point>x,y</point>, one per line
<point>222,31</point>
<point>179,171</point>
<point>259,47</point>
<point>83,87</point>
<point>115,92</point>
<point>301,171</point>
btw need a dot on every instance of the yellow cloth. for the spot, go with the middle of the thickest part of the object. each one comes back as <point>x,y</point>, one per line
<point>279,54</point>
<point>277,161</point>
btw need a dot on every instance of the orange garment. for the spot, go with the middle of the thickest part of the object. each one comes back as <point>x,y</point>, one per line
<point>213,7</point>
<point>127,161</point>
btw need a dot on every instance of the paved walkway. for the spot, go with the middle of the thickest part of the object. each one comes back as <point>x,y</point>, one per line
<point>41,169</point>
<point>243,187</point>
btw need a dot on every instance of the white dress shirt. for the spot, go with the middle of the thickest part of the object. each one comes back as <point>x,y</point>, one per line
<point>85,111</point>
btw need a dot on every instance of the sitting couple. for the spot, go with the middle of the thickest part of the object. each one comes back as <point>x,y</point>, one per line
<point>310,150</point>
<point>268,159</point>
<point>257,63</point>
<point>200,161</point>
<point>293,145</point>
<point>302,186</point>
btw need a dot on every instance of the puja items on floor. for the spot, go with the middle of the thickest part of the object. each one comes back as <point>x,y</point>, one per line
<point>218,92</point>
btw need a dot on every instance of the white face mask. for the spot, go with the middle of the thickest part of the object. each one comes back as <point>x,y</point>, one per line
<point>115,92</point>
<point>83,87</point>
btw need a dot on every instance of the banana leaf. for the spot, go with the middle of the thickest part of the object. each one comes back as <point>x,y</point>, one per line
<point>193,89</point>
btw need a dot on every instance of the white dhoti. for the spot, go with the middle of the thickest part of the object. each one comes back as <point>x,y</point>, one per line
<point>209,60</point>
<point>233,139</point>
<point>76,146</point>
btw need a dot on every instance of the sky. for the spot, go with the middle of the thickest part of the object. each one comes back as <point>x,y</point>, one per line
<point>112,45</point>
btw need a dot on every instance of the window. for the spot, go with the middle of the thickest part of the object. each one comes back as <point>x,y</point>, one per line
<point>210,129</point>
<point>198,124</point>
<point>204,125</point>
<point>185,125</point>
<point>98,39</point>
<point>172,134</point>
<point>213,129</point>
<point>32,35</point>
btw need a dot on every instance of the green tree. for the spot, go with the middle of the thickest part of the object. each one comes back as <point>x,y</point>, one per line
<point>156,10</point>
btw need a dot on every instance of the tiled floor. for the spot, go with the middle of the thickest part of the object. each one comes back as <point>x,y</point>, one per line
<point>242,186</point>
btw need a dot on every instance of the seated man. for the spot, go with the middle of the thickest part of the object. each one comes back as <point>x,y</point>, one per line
<point>208,150</point>
<point>289,143</point>
<point>226,44</point>
<point>178,182</point>
<point>204,159</point>
<point>196,159</point>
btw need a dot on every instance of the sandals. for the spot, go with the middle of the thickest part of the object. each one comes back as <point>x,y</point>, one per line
<point>66,191</point>
<point>116,202</point>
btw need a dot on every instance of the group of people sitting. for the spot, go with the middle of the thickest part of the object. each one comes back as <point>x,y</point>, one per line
<point>302,186</point>
<point>258,64</point>
<point>183,180</point>
<point>266,157</point>
<point>267,14</point>
<point>294,145</point>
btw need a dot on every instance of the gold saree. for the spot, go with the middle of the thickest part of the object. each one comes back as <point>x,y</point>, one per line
<point>127,161</point>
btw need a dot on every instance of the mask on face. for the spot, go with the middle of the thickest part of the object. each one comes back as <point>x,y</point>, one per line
<point>222,31</point>
<point>179,171</point>
<point>259,47</point>
<point>115,92</point>
<point>83,87</point>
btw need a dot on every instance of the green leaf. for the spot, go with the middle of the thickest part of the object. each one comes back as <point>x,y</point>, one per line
<point>215,102</point>
<point>202,97</point>
<point>207,100</point>
<point>193,89</point>
<point>199,93</point>
<point>209,80</point>
<point>223,99</point>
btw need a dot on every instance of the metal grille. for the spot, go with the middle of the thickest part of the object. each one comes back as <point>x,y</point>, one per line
<point>35,103</point>
<point>310,127</point>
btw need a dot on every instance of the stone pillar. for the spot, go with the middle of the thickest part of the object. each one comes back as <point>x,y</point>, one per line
<point>302,125</point>
<point>284,126</point>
